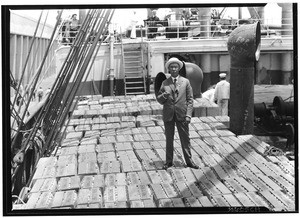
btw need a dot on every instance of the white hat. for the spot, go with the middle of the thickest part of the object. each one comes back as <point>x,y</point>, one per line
<point>174,60</point>
<point>222,75</point>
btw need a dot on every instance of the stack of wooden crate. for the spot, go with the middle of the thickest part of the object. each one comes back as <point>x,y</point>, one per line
<point>115,160</point>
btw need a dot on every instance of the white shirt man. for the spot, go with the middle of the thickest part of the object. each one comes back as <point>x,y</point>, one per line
<point>134,21</point>
<point>222,94</point>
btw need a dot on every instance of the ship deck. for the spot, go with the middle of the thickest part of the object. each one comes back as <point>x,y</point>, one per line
<point>112,156</point>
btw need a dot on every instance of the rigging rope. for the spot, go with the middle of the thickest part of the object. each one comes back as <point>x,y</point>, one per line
<point>24,146</point>
<point>81,72</point>
<point>80,57</point>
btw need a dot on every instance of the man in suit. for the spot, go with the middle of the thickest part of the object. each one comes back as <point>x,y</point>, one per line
<point>176,96</point>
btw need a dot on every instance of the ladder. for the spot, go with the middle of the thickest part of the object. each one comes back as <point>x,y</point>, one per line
<point>134,70</point>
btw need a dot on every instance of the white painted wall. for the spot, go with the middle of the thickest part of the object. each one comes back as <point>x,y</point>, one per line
<point>156,64</point>
<point>21,25</point>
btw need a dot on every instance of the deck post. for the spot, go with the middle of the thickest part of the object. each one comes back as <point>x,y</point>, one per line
<point>111,64</point>
<point>204,17</point>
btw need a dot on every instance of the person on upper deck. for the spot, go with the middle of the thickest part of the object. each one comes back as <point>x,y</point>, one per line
<point>134,21</point>
<point>152,24</point>
<point>185,16</point>
<point>74,26</point>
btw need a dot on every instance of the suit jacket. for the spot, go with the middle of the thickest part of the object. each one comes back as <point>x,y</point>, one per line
<point>180,100</point>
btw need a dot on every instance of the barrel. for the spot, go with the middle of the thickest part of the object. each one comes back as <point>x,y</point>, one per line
<point>190,71</point>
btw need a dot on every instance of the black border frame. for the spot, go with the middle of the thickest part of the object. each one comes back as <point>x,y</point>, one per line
<point>7,199</point>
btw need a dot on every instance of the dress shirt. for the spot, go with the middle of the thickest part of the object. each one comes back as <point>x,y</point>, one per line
<point>175,78</point>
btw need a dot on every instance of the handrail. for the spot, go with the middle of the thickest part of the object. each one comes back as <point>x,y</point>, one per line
<point>214,29</point>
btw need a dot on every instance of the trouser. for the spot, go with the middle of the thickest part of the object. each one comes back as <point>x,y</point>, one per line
<point>73,33</point>
<point>152,32</point>
<point>183,131</point>
<point>223,104</point>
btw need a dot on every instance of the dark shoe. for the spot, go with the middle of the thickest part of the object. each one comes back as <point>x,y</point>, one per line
<point>166,166</point>
<point>194,166</point>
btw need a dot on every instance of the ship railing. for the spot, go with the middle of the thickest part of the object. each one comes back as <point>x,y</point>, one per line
<point>193,29</point>
<point>67,37</point>
<point>214,28</point>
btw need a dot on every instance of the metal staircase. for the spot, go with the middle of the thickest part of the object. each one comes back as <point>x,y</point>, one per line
<point>134,70</point>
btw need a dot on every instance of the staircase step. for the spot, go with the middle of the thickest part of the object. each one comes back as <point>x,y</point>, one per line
<point>132,51</point>
<point>131,56</point>
<point>130,73</point>
<point>138,82</point>
<point>133,67</point>
<point>132,62</point>
<point>133,77</point>
<point>135,93</point>
<point>135,53</point>
<point>136,87</point>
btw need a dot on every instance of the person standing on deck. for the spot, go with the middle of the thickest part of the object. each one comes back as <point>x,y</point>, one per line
<point>134,21</point>
<point>66,31</point>
<point>185,16</point>
<point>152,23</point>
<point>176,96</point>
<point>40,94</point>
<point>74,26</point>
<point>222,94</point>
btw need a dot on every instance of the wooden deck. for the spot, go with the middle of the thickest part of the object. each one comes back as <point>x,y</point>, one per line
<point>114,150</point>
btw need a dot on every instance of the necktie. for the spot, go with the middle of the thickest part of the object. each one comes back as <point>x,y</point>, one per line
<point>176,91</point>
